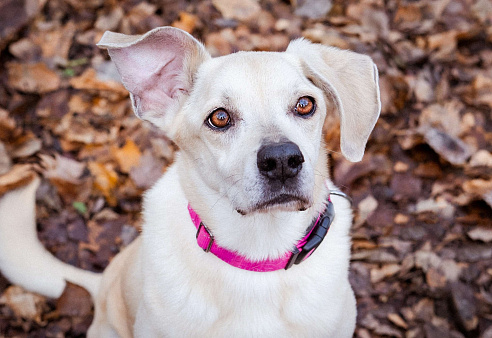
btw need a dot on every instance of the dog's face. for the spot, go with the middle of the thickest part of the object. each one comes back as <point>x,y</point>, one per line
<point>254,121</point>
<point>250,123</point>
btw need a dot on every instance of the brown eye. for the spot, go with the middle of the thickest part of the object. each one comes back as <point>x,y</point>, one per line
<point>219,119</point>
<point>305,106</point>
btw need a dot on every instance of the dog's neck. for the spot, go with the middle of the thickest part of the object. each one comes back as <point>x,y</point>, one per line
<point>255,236</point>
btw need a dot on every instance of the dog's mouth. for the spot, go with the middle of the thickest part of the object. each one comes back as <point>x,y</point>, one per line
<point>285,202</point>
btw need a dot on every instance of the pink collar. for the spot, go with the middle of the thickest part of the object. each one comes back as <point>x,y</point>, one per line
<point>303,249</point>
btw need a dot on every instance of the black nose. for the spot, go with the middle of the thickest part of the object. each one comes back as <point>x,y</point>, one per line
<point>280,161</point>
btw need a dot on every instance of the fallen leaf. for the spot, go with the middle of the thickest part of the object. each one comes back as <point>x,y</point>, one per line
<point>445,117</point>
<point>366,207</point>
<point>111,20</point>
<point>186,22</point>
<point>449,147</point>
<point>242,10</point>
<point>424,309</point>
<point>427,260</point>
<point>438,205</point>
<point>478,186</point>
<point>5,160</point>
<point>147,172</point>
<point>127,156</point>
<point>34,78</point>
<point>480,234</point>
<point>435,278</point>
<point>463,302</point>
<point>401,219</point>
<point>19,175</point>
<point>25,49</point>
<point>481,158</point>
<point>313,9</point>
<point>25,146</point>
<point>91,80</point>
<point>25,304</point>
<point>55,43</point>
<point>375,256</point>
<point>397,320</point>
<point>385,271</point>
<point>74,301</point>
<point>14,14</point>
<point>105,180</point>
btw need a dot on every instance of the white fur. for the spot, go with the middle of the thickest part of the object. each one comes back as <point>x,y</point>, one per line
<point>164,284</point>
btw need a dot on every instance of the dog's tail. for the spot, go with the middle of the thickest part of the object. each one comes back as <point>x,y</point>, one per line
<point>23,259</point>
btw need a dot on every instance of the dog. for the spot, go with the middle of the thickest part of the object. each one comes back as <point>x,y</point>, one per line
<point>235,240</point>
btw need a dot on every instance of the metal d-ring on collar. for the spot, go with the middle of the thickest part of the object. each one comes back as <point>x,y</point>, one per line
<point>341,194</point>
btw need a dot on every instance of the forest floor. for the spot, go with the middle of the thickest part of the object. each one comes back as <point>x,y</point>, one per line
<point>422,195</point>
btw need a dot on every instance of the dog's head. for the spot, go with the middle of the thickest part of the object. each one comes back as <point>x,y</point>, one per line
<point>250,124</point>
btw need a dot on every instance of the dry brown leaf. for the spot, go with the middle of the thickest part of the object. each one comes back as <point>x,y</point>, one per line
<point>8,130</point>
<point>481,158</point>
<point>481,234</point>
<point>449,147</point>
<point>408,15</point>
<point>426,260</point>
<point>19,175</point>
<point>25,49</point>
<point>242,10</point>
<point>78,129</point>
<point>326,35</point>
<point>105,180</point>
<point>388,270</point>
<point>363,244</point>
<point>478,187</point>
<point>397,320</point>
<point>25,304</point>
<point>25,146</point>
<point>74,301</point>
<point>89,80</point>
<point>366,207</point>
<point>401,219</point>
<point>445,117</point>
<point>443,45</point>
<point>313,9</point>
<point>147,172</point>
<point>14,14</point>
<point>62,168</point>
<point>482,87</point>
<point>395,92</point>
<point>5,160</point>
<point>186,22</point>
<point>435,278</point>
<point>32,78</point>
<point>127,156</point>
<point>55,43</point>
<point>110,21</point>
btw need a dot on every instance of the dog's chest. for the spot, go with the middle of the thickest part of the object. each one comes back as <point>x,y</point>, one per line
<point>262,306</point>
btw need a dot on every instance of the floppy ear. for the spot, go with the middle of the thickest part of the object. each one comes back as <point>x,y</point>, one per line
<point>157,68</point>
<point>351,80</point>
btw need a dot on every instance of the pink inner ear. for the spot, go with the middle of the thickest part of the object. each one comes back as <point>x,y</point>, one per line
<point>152,71</point>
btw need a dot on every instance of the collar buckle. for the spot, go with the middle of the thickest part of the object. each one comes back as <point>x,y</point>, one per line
<point>314,239</point>
<point>211,238</point>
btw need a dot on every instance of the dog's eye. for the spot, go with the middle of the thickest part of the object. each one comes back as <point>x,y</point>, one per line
<point>219,119</point>
<point>305,106</point>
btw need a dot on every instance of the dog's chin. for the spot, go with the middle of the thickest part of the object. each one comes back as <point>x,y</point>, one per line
<point>283,202</point>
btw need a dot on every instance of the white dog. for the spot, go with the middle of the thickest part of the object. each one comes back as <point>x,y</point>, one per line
<point>230,229</point>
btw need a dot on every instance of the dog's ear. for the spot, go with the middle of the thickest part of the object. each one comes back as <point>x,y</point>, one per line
<point>157,68</point>
<point>351,80</point>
